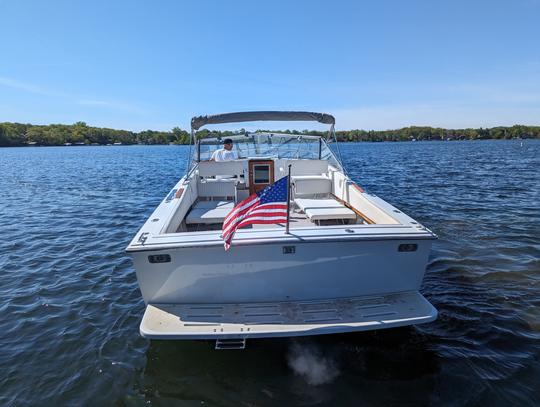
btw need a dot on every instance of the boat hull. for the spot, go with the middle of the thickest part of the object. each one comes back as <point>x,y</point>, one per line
<point>281,272</point>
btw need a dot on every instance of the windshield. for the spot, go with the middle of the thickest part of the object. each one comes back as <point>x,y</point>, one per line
<point>271,145</point>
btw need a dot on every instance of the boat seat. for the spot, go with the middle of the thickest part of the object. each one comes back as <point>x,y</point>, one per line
<point>324,209</point>
<point>305,185</point>
<point>208,212</point>
<point>222,168</point>
<point>217,187</point>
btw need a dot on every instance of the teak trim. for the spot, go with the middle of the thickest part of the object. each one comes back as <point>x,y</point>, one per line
<point>352,208</point>
<point>251,174</point>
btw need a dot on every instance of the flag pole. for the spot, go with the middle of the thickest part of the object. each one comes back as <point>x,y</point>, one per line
<point>288,200</point>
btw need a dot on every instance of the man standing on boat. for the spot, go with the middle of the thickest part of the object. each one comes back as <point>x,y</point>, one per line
<point>225,153</point>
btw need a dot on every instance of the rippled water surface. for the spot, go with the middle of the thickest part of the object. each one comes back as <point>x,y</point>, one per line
<point>70,305</point>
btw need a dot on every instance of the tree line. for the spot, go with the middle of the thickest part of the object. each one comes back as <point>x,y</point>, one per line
<point>18,134</point>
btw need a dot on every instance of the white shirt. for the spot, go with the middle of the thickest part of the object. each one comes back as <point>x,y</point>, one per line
<point>224,155</point>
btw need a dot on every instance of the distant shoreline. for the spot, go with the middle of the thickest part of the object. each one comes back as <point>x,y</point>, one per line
<point>80,134</point>
<point>177,144</point>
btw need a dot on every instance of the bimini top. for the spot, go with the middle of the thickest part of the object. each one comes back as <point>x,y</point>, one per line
<point>199,121</point>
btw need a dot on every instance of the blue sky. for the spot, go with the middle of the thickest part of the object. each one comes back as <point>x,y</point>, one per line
<point>374,65</point>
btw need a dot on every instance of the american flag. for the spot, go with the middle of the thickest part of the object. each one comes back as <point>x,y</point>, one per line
<point>263,207</point>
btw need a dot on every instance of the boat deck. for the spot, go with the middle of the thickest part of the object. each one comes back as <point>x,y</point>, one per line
<point>204,217</point>
<point>294,318</point>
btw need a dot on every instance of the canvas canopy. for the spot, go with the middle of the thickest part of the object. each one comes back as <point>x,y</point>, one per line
<point>199,121</point>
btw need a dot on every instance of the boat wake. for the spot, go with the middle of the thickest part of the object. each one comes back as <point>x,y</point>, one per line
<point>310,363</point>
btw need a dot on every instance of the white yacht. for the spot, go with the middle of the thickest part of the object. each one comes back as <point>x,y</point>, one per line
<point>349,261</point>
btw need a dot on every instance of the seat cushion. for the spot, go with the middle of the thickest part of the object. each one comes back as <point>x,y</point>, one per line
<point>217,187</point>
<point>311,185</point>
<point>208,212</point>
<point>324,209</point>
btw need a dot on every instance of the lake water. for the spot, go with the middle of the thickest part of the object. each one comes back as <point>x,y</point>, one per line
<point>70,305</point>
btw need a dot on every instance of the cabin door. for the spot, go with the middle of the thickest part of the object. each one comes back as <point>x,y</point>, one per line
<point>261,174</point>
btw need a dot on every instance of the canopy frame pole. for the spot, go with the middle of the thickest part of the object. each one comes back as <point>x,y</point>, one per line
<point>288,201</point>
<point>339,157</point>
<point>191,139</point>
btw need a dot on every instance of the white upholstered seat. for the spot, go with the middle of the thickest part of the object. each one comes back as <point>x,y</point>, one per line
<point>208,212</point>
<point>311,185</point>
<point>217,187</point>
<point>324,209</point>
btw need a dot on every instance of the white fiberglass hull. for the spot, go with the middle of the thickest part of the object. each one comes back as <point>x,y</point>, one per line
<point>271,273</point>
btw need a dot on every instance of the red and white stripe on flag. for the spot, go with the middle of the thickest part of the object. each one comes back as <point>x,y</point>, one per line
<point>264,207</point>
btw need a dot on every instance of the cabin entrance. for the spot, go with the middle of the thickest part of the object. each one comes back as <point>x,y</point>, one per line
<point>261,174</point>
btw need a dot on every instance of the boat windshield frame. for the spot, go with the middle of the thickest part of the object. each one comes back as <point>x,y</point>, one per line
<point>272,145</point>
<point>323,150</point>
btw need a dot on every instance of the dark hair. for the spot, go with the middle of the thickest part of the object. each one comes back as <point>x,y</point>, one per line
<point>227,141</point>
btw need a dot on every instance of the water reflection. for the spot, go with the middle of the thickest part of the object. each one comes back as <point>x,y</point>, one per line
<point>273,371</point>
